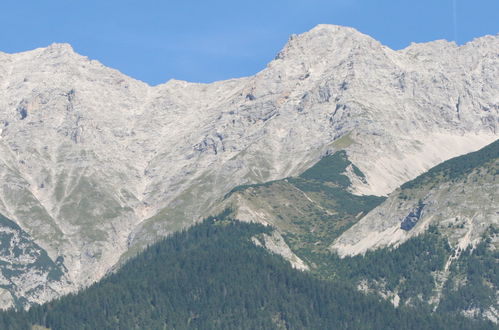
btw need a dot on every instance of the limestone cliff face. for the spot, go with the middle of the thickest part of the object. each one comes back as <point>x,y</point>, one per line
<point>95,164</point>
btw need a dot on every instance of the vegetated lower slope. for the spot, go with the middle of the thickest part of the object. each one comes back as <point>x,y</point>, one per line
<point>418,273</point>
<point>457,200</point>
<point>473,281</point>
<point>213,277</point>
<point>309,210</point>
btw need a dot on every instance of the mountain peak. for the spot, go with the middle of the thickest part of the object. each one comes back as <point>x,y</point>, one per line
<point>326,41</point>
<point>53,49</point>
<point>59,49</point>
<point>331,28</point>
<point>331,34</point>
<point>63,46</point>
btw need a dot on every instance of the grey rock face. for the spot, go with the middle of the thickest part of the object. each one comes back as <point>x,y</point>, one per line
<point>95,164</point>
<point>413,217</point>
<point>27,274</point>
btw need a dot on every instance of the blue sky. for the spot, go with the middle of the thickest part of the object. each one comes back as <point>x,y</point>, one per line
<point>204,41</point>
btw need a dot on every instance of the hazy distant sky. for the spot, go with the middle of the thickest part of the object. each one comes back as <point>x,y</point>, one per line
<point>209,40</point>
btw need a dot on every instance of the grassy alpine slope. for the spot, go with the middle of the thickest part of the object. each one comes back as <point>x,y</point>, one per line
<point>310,210</point>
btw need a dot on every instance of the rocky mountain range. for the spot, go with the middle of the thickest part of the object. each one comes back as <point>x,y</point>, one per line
<point>95,165</point>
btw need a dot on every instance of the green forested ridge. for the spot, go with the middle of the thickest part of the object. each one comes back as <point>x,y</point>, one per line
<point>409,271</point>
<point>406,270</point>
<point>213,277</point>
<point>331,168</point>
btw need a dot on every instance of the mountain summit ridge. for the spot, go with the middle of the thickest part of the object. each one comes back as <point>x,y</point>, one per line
<point>334,34</point>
